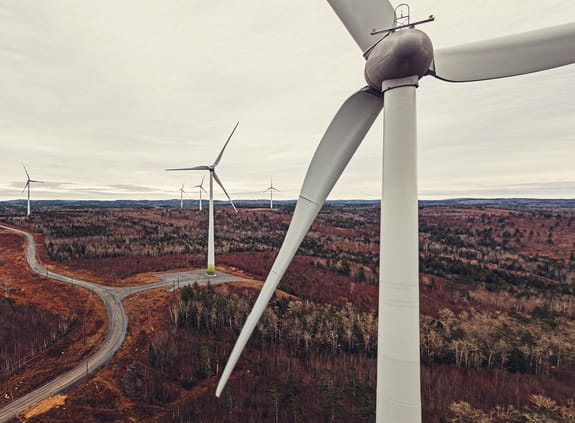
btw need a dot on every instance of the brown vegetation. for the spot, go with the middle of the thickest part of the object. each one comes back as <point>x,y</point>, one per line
<point>497,307</point>
<point>47,327</point>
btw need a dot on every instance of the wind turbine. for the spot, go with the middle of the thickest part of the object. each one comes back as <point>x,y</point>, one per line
<point>28,182</point>
<point>182,196</point>
<point>398,55</point>
<point>271,189</point>
<point>201,188</point>
<point>213,175</point>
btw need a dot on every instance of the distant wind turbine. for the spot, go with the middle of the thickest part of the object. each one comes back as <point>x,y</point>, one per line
<point>182,196</point>
<point>201,188</point>
<point>213,175</point>
<point>397,57</point>
<point>28,182</point>
<point>271,189</point>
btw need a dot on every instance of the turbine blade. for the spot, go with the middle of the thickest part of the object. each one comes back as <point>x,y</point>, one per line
<point>501,57</point>
<point>360,17</point>
<point>222,187</point>
<point>202,183</point>
<point>25,186</point>
<point>191,168</point>
<point>26,170</point>
<point>225,145</point>
<point>343,136</point>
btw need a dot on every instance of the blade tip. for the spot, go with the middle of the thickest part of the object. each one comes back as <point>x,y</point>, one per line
<point>219,389</point>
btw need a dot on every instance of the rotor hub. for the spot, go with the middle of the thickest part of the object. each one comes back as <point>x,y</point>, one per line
<point>399,55</point>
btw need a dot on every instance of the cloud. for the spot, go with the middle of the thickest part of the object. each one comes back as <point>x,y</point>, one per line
<point>98,93</point>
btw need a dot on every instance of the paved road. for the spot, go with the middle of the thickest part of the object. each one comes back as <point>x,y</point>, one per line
<point>117,323</point>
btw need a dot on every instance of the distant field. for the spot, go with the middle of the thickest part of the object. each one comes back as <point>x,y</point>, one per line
<point>497,310</point>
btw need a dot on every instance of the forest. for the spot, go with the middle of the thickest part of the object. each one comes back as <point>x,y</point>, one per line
<point>497,306</point>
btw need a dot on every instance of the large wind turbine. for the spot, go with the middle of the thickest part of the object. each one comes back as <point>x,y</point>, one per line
<point>213,175</point>
<point>201,188</point>
<point>271,189</point>
<point>397,57</point>
<point>28,182</point>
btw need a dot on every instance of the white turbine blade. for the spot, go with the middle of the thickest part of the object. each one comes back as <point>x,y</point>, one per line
<point>360,17</point>
<point>517,54</point>
<point>225,192</point>
<point>203,189</point>
<point>25,186</point>
<point>38,182</point>
<point>343,136</point>
<point>341,139</point>
<point>190,168</point>
<point>225,145</point>
<point>26,170</point>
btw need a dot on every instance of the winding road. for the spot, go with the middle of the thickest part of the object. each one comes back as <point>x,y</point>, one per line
<point>117,323</point>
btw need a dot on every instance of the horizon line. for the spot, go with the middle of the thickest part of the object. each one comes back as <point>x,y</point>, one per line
<point>466,198</point>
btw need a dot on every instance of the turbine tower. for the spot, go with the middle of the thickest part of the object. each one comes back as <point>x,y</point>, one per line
<point>271,189</point>
<point>211,270</point>
<point>182,196</point>
<point>201,188</point>
<point>398,55</point>
<point>28,182</point>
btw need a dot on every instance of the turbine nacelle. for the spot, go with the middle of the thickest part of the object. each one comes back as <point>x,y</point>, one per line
<point>400,54</point>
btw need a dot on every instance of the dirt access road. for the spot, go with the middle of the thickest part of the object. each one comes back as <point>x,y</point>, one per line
<point>117,323</point>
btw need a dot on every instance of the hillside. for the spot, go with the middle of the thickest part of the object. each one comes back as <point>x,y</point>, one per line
<point>497,311</point>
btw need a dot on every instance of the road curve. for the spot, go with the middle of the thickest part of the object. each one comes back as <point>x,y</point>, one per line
<point>117,326</point>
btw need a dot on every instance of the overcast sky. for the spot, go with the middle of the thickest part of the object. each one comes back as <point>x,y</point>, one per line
<point>98,97</point>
